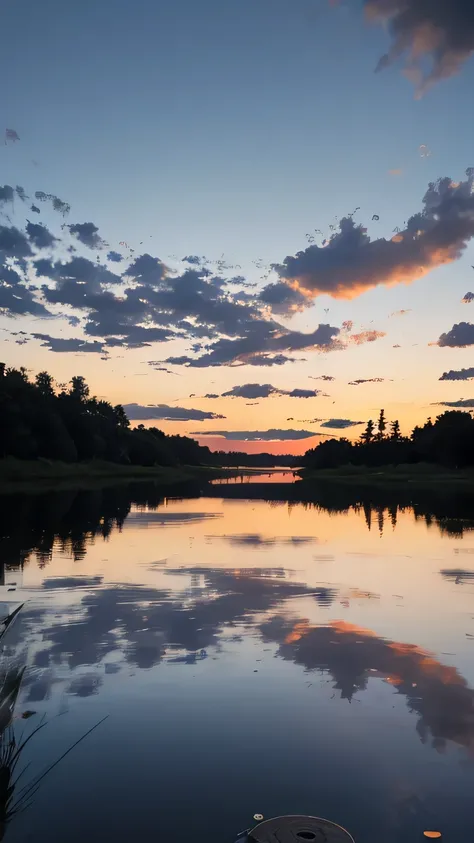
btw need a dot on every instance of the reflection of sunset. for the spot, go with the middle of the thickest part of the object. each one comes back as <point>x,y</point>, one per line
<point>437,692</point>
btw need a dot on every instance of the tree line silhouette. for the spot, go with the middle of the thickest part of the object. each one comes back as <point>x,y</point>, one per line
<point>37,420</point>
<point>448,441</point>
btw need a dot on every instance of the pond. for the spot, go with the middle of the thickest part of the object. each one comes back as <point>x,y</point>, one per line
<point>251,653</point>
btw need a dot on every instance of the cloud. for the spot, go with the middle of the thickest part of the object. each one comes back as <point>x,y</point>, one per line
<point>322,378</point>
<point>467,298</point>
<point>365,380</point>
<point>58,204</point>
<point>460,336</point>
<point>115,257</point>
<point>6,194</point>
<point>40,236</point>
<point>351,263</point>
<point>402,312</point>
<point>282,298</point>
<point>273,435</point>
<point>13,243</point>
<point>462,402</point>
<point>16,298</point>
<point>87,233</point>
<point>366,336</point>
<point>166,413</point>
<point>261,336</point>
<point>458,375</point>
<point>435,37</point>
<point>340,424</point>
<point>60,344</point>
<point>271,360</point>
<point>265,390</point>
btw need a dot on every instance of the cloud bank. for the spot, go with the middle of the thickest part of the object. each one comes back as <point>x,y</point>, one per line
<point>163,412</point>
<point>272,435</point>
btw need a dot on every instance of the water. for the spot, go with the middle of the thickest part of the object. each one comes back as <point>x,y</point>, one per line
<point>312,655</point>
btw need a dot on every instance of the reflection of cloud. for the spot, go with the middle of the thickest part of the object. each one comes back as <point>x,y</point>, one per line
<point>72,582</point>
<point>85,685</point>
<point>437,692</point>
<point>457,575</point>
<point>177,518</point>
<point>257,540</point>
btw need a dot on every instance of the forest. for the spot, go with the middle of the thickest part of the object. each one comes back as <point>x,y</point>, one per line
<point>37,421</point>
<point>447,441</point>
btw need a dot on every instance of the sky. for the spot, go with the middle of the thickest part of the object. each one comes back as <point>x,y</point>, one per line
<point>309,159</point>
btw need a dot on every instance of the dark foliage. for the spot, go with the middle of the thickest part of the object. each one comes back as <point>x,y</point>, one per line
<point>448,441</point>
<point>70,425</point>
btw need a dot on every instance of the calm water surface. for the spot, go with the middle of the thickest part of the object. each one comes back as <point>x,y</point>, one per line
<point>251,655</point>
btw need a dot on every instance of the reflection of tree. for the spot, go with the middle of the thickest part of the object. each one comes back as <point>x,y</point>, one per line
<point>70,520</point>
<point>436,692</point>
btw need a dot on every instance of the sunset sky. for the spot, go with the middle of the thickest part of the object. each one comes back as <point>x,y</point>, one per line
<point>241,231</point>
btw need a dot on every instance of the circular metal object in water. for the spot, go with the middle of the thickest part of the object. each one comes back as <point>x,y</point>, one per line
<point>299,829</point>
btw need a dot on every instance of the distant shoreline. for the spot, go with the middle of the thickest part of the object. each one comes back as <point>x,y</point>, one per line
<point>418,474</point>
<point>34,475</point>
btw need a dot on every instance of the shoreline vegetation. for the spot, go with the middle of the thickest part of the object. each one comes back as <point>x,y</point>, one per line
<point>417,475</point>
<point>22,475</point>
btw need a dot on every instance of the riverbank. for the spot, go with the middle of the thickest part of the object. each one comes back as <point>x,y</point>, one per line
<point>31,475</point>
<point>419,474</point>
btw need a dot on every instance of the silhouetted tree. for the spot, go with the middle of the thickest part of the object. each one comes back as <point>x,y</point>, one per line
<point>381,425</point>
<point>368,433</point>
<point>395,433</point>
<point>44,383</point>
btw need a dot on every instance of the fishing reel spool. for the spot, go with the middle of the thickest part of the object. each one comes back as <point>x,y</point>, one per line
<point>295,829</point>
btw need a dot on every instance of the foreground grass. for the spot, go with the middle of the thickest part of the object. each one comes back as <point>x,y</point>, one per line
<point>27,475</point>
<point>420,474</point>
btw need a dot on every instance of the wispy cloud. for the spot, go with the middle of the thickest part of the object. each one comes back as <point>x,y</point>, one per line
<point>163,412</point>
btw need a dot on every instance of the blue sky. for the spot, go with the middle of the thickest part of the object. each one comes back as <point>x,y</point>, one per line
<point>236,128</point>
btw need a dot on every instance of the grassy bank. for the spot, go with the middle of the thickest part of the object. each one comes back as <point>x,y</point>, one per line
<point>26,475</point>
<point>419,474</point>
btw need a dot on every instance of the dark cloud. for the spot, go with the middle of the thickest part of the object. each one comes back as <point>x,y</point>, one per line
<point>460,336</point>
<point>148,270</point>
<point>366,380</point>
<point>458,375</point>
<point>462,402</point>
<point>115,257</point>
<point>212,395</point>
<point>195,260</point>
<point>166,413</point>
<point>322,378</point>
<point>435,37</point>
<point>87,233</point>
<point>340,424</point>
<point>282,298</point>
<point>273,435</point>
<point>21,193</point>
<point>6,194</point>
<point>69,345</point>
<point>58,204</point>
<point>40,236</point>
<point>16,298</point>
<point>467,298</point>
<point>261,336</point>
<point>13,243</point>
<point>264,390</point>
<point>271,360</point>
<point>352,263</point>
